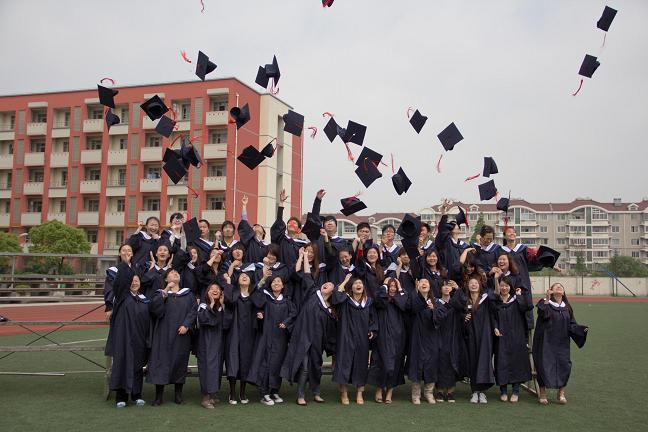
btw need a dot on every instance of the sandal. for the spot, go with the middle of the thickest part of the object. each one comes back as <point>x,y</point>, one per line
<point>301,402</point>
<point>318,399</point>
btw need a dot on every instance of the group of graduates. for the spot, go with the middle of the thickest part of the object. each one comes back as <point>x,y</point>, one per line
<point>437,310</point>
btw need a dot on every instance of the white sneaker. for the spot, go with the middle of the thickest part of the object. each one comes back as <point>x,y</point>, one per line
<point>482,398</point>
<point>232,402</point>
<point>121,404</point>
<point>265,400</point>
<point>276,398</point>
<point>474,398</point>
<point>140,402</point>
<point>245,401</point>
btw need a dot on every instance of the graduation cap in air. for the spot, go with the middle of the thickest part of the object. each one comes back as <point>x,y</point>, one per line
<point>154,107</point>
<point>503,204</point>
<point>240,115</point>
<point>293,123</point>
<point>269,150</point>
<point>462,217</point>
<point>111,118</point>
<point>204,65</point>
<point>368,156</point>
<point>165,126</point>
<point>173,166</point>
<point>190,154</point>
<point>589,66</point>
<point>547,256</point>
<point>606,19</point>
<point>401,182</point>
<point>312,227</point>
<point>251,157</point>
<point>490,167</point>
<point>351,205</point>
<point>409,227</point>
<point>191,230</point>
<point>578,333</point>
<point>368,172</point>
<point>450,136</point>
<point>106,96</point>
<point>331,129</point>
<point>354,132</point>
<point>487,190</point>
<point>418,121</point>
<point>268,71</point>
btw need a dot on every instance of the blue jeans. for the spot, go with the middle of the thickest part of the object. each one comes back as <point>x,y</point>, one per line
<point>516,389</point>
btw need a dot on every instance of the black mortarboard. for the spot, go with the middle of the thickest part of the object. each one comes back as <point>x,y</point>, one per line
<point>589,66</point>
<point>203,65</point>
<point>268,71</point>
<point>154,108</point>
<point>368,173</point>
<point>171,154</point>
<point>418,121</point>
<point>165,126</point>
<point>190,154</point>
<point>331,129</point>
<point>355,133</point>
<point>268,150</point>
<point>106,96</point>
<point>174,169</point>
<point>312,227</point>
<point>401,182</point>
<point>450,136</point>
<point>461,218</point>
<point>606,19</point>
<point>490,167</point>
<point>191,230</point>
<point>293,123</point>
<point>351,205</point>
<point>547,256</point>
<point>240,115</point>
<point>503,204</point>
<point>367,156</point>
<point>251,157</point>
<point>578,333</point>
<point>410,227</point>
<point>487,190</point>
<point>111,119</point>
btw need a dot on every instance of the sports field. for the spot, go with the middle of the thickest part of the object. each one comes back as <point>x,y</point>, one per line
<point>606,392</point>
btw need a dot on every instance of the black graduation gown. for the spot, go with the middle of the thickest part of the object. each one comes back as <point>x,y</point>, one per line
<point>285,272</point>
<point>111,274</point>
<point>314,327</point>
<point>239,340</point>
<point>151,280</point>
<point>449,250</point>
<point>255,249</point>
<point>389,255</point>
<point>406,279</point>
<point>486,256</point>
<point>336,272</point>
<point>386,369</point>
<point>170,350</point>
<point>210,347</point>
<point>452,356</point>
<point>367,274</point>
<point>205,275</point>
<point>425,340</point>
<point>304,287</point>
<point>288,247</point>
<point>511,351</point>
<point>520,255</point>
<point>551,346</point>
<point>128,336</point>
<point>142,245</point>
<point>352,349</point>
<point>421,270</point>
<point>478,338</point>
<point>204,248</point>
<point>271,341</point>
<point>165,239</point>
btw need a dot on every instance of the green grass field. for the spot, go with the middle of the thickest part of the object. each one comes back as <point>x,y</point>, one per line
<point>606,392</point>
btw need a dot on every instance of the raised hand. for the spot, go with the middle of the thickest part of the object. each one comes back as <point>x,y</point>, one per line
<point>282,196</point>
<point>244,200</point>
<point>518,291</point>
<point>320,194</point>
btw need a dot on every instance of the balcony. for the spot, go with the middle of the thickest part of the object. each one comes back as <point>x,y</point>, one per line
<point>61,130</point>
<point>151,154</point>
<point>88,218</point>
<point>577,222</point>
<point>91,156</point>
<point>94,248</point>
<point>213,216</point>
<point>7,135</point>
<point>36,129</point>
<point>56,216</point>
<point>6,161</point>
<point>5,191</point>
<point>215,151</point>
<point>115,219</point>
<point>150,185</point>
<point>119,129</point>
<point>33,188</point>
<point>216,118</point>
<point>4,219</point>
<point>116,189</point>
<point>93,125</point>
<point>177,189</point>
<point>117,157</point>
<point>58,190</point>
<point>90,186</point>
<point>147,123</point>
<point>30,219</point>
<point>59,159</point>
<point>145,214</point>
<point>214,183</point>
<point>111,248</point>
<point>34,159</point>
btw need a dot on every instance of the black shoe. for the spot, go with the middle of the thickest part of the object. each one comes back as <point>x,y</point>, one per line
<point>450,397</point>
<point>3,319</point>
<point>157,402</point>
<point>178,399</point>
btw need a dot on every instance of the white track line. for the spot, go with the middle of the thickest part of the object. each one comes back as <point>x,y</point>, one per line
<point>77,342</point>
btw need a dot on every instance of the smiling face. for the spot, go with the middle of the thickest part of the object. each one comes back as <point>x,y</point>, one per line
<point>153,226</point>
<point>423,234</point>
<point>162,253</point>
<point>135,285</point>
<point>126,253</point>
<point>310,253</point>
<point>364,233</point>
<point>277,286</point>
<point>486,239</point>
<point>503,263</point>
<point>405,259</point>
<point>432,259</point>
<point>357,288</point>
<point>510,235</point>
<point>372,256</point>
<point>330,227</point>
<point>327,289</point>
<point>473,286</point>
<point>392,289</point>
<point>214,292</point>
<point>293,227</point>
<point>558,289</point>
<point>345,258</point>
<point>177,221</point>
<point>505,289</point>
<point>423,286</point>
<point>204,229</point>
<point>173,277</point>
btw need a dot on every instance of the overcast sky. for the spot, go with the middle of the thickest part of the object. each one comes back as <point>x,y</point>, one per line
<point>502,70</point>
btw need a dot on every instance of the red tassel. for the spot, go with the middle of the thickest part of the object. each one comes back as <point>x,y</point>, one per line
<point>327,3</point>
<point>327,114</point>
<point>392,160</point>
<point>472,177</point>
<point>202,3</point>
<point>184,56</point>
<point>410,109</point>
<point>506,225</point>
<point>195,194</point>
<point>604,36</point>
<point>349,153</point>
<point>314,129</point>
<point>438,165</point>
<point>579,87</point>
<point>107,79</point>
<point>175,139</point>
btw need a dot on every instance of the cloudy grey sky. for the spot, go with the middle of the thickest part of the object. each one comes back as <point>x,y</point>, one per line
<point>502,70</point>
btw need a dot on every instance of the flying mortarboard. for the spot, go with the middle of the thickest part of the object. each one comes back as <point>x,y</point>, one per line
<point>450,136</point>
<point>240,115</point>
<point>487,190</point>
<point>589,66</point>
<point>409,227</point>
<point>351,205</point>
<point>204,65</point>
<point>312,227</point>
<point>547,256</point>
<point>154,108</point>
<point>268,71</point>
<point>331,129</point>
<point>251,157</point>
<point>606,19</point>
<point>490,167</point>
<point>174,168</point>
<point>111,119</point>
<point>462,217</point>
<point>401,182</point>
<point>293,123</point>
<point>191,230</point>
<point>367,156</point>
<point>418,121</point>
<point>106,96</point>
<point>368,173</point>
<point>355,133</point>
<point>165,126</point>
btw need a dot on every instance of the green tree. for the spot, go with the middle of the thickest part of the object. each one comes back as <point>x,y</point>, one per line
<point>477,227</point>
<point>56,237</point>
<point>8,243</point>
<point>580,269</point>
<point>625,266</point>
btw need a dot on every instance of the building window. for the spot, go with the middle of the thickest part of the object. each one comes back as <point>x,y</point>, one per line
<point>34,206</point>
<point>635,254</point>
<point>598,214</point>
<point>91,236</point>
<point>527,215</point>
<point>119,237</point>
<point>577,229</point>
<point>218,136</point>
<point>562,241</point>
<point>219,104</point>
<point>616,228</point>
<point>152,173</point>
<point>61,206</point>
<point>216,203</point>
<point>185,111</point>
<point>93,174</point>
<point>600,242</point>
<point>634,242</point>
<point>615,242</point>
<point>561,228</point>
<point>600,254</point>
<point>543,229</point>
<point>152,141</point>
<point>123,116</point>
<point>123,143</point>
<point>599,229</point>
<point>543,217</point>
<point>121,177</point>
<point>36,176</point>
<point>94,144</point>
<point>65,146</point>
<point>96,114</point>
<point>91,205</point>
<point>182,204</point>
<point>121,205</point>
<point>216,170</point>
<point>634,229</point>
<point>152,204</point>
<point>6,206</point>
<point>37,146</point>
<point>39,117</point>
<point>562,216</point>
